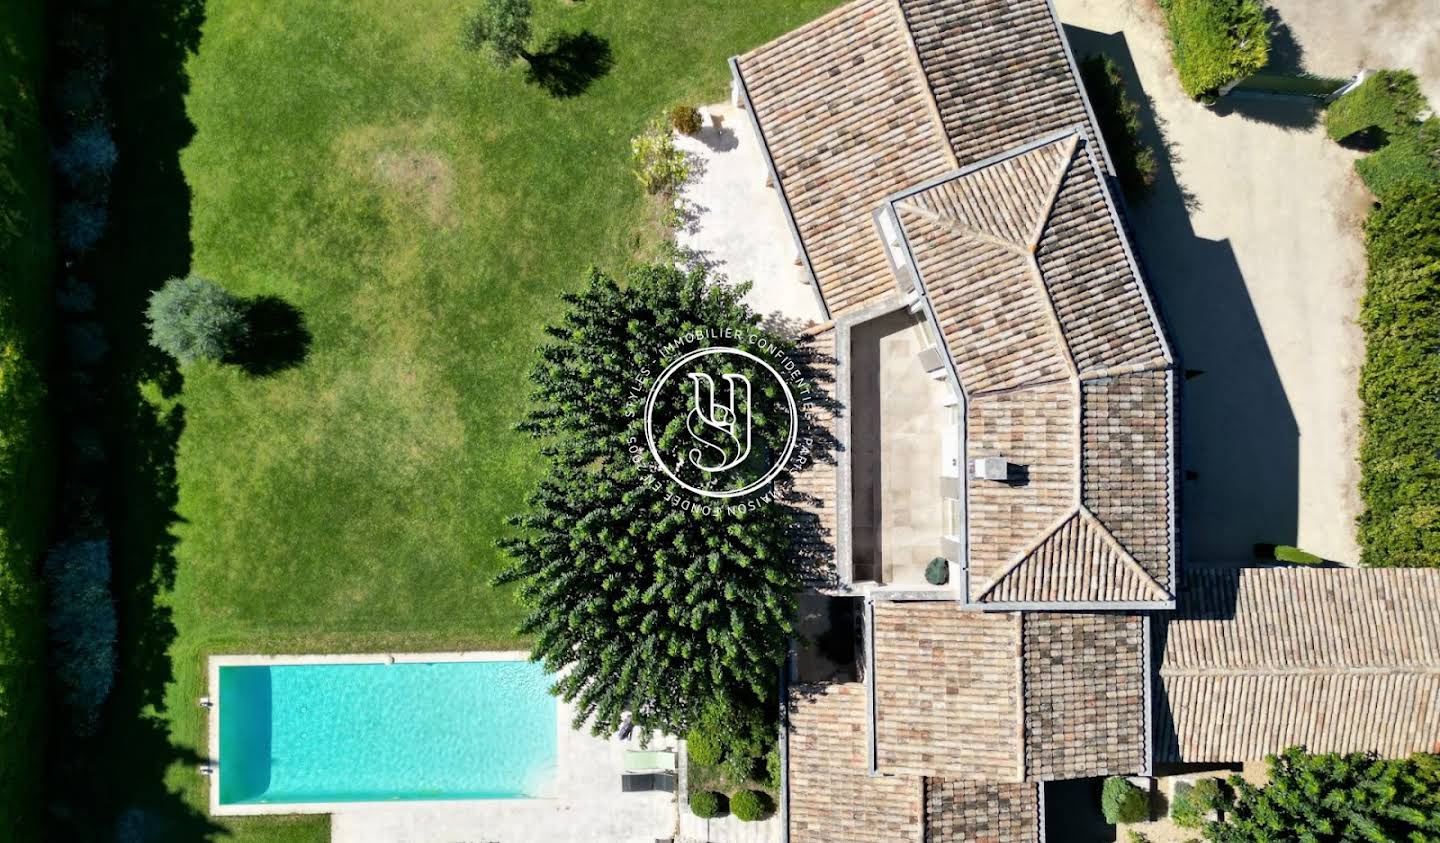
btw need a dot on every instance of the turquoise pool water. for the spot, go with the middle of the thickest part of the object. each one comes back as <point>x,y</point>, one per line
<point>363,732</point>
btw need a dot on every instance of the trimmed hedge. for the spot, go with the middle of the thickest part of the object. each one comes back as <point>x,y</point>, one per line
<point>707,804</point>
<point>1383,113</point>
<point>1215,42</point>
<point>1400,382</point>
<point>751,805</point>
<point>1119,118</point>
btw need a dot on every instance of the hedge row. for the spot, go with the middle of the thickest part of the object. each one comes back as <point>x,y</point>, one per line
<point>1215,42</point>
<point>25,455</point>
<point>1400,382</point>
<point>1384,114</point>
<point>81,618</point>
<point>1119,119</point>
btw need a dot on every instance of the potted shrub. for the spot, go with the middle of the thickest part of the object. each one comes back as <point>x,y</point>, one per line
<point>938,571</point>
<point>750,805</point>
<point>707,804</point>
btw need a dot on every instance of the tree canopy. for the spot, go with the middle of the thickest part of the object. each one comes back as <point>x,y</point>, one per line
<point>1333,798</point>
<point>501,25</point>
<point>193,319</point>
<point>641,596</point>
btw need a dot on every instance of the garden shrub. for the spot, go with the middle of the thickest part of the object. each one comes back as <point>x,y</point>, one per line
<point>937,572</point>
<point>86,342</point>
<point>750,805</point>
<point>1400,382</point>
<point>1389,101</point>
<point>738,768</point>
<point>774,768</point>
<point>502,26</point>
<point>1215,42</point>
<point>1192,805</point>
<point>1334,797</point>
<point>660,166</point>
<point>707,804</point>
<point>1123,802</point>
<point>82,626</point>
<point>75,297</point>
<point>192,318</point>
<point>1384,113</point>
<point>1119,119</point>
<point>703,747</point>
<point>685,119</point>
<point>88,157</point>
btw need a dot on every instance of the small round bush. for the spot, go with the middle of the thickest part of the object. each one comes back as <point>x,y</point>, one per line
<point>1123,802</point>
<point>750,805</point>
<point>686,119</point>
<point>192,319</point>
<point>738,768</point>
<point>81,224</point>
<point>707,804</point>
<point>938,571</point>
<point>703,747</point>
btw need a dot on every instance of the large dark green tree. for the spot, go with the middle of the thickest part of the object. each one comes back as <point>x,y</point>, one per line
<point>1333,799</point>
<point>639,597</point>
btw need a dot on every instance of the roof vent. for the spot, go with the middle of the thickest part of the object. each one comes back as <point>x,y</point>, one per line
<point>990,468</point>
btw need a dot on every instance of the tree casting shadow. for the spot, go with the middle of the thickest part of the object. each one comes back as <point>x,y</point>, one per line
<point>276,337</point>
<point>567,63</point>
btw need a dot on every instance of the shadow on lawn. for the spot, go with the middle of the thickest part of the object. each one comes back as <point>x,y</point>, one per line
<point>568,62</point>
<point>277,338</point>
<point>112,786</point>
<point>1238,442</point>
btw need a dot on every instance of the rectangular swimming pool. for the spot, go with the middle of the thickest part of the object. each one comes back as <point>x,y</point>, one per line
<point>377,731</point>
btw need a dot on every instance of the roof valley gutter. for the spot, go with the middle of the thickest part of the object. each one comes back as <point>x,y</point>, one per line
<point>779,185</point>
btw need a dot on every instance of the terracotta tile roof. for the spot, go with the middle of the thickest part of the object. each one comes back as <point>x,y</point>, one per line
<point>1080,561</point>
<point>846,118</point>
<point>1043,312</point>
<point>833,798</point>
<point>967,811</point>
<point>813,489</point>
<point>1097,296</point>
<point>1034,428</point>
<point>1334,659</point>
<point>947,691</point>
<point>953,687</point>
<point>998,71</point>
<point>1127,457</point>
<point>1085,679</point>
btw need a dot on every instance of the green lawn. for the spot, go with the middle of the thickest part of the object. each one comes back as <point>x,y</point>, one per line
<point>423,211</point>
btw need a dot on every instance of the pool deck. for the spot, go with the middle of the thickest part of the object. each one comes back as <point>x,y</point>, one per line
<point>585,803</point>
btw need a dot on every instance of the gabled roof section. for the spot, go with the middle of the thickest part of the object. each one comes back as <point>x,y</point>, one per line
<point>832,796</point>
<point>846,119</point>
<point>965,811</point>
<point>1008,696</point>
<point>1338,660</point>
<point>1078,562</point>
<point>947,691</point>
<point>999,72</point>
<point>1066,374</point>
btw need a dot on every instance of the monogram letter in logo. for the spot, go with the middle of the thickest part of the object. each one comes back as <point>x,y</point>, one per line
<point>721,428</point>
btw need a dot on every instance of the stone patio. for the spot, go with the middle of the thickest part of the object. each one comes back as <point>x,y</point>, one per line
<point>739,226</point>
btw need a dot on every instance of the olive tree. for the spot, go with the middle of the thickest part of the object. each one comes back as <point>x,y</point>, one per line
<point>192,318</point>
